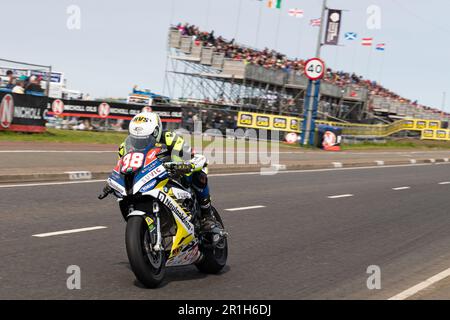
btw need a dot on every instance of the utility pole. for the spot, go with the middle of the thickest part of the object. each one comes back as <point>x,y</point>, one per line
<point>322,24</point>
<point>444,96</point>
<point>312,90</point>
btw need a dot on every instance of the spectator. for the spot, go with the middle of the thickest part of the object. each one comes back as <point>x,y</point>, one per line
<point>34,84</point>
<point>271,59</point>
<point>11,80</point>
<point>20,85</point>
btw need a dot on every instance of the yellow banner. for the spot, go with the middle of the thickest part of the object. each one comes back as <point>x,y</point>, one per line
<point>439,134</point>
<point>431,129</point>
<point>268,122</point>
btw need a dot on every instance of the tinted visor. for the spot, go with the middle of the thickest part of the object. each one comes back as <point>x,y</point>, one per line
<point>134,143</point>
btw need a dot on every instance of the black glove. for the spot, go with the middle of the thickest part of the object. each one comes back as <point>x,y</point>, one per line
<point>106,190</point>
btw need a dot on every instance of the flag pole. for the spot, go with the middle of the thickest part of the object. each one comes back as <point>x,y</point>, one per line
<point>322,23</point>
<point>258,24</point>
<point>368,62</point>
<point>444,96</point>
<point>381,68</point>
<point>208,8</point>
<point>278,29</point>
<point>299,45</point>
<point>238,19</point>
<point>313,87</point>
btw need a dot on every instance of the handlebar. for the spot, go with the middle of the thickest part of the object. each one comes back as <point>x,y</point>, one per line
<point>106,191</point>
<point>178,167</point>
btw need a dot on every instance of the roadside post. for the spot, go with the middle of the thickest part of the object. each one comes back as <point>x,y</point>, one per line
<point>314,70</point>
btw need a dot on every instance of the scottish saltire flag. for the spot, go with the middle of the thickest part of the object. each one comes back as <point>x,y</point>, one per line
<point>380,46</point>
<point>315,22</point>
<point>350,36</point>
<point>274,4</point>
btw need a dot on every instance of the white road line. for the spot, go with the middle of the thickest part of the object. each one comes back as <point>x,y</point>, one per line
<point>444,182</point>
<point>255,173</point>
<point>401,188</point>
<point>48,183</point>
<point>327,169</point>
<point>57,151</point>
<point>245,208</point>
<point>337,164</point>
<point>340,196</point>
<point>421,286</point>
<point>57,233</point>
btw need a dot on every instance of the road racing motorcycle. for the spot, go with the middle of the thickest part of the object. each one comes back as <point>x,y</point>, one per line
<point>163,217</point>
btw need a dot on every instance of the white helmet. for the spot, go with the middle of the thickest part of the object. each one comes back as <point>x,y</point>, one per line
<point>145,129</point>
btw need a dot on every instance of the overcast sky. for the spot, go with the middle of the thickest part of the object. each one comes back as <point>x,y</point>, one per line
<point>122,43</point>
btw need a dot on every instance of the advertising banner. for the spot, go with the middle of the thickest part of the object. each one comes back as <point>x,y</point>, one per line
<point>109,110</point>
<point>22,112</point>
<point>268,122</point>
<point>334,19</point>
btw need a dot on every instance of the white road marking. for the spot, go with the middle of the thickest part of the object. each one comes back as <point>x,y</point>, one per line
<point>444,182</point>
<point>57,151</point>
<point>79,175</point>
<point>337,164</point>
<point>48,183</point>
<point>421,286</point>
<point>252,173</point>
<point>340,196</point>
<point>57,233</point>
<point>245,208</point>
<point>401,188</point>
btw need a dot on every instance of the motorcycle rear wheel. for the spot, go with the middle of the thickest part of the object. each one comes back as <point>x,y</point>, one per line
<point>148,266</point>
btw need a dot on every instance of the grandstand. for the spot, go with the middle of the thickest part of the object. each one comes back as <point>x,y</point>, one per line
<point>201,68</point>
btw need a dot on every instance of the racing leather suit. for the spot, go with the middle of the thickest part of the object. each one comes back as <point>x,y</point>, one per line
<point>198,179</point>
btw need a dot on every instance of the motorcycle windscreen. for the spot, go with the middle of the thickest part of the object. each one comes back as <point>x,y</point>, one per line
<point>139,144</point>
<point>149,175</point>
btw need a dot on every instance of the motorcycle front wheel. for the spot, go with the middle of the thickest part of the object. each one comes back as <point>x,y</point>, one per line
<point>148,265</point>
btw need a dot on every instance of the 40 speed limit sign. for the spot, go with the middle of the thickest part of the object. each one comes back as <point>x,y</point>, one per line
<point>314,69</point>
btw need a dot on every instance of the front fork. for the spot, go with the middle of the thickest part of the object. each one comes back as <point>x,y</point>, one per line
<point>153,223</point>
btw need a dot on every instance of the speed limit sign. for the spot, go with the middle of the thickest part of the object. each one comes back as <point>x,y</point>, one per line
<point>314,69</point>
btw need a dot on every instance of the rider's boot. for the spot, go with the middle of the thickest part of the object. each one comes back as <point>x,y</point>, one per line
<point>207,219</point>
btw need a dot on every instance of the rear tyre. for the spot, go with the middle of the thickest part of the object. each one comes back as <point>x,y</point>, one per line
<point>214,258</point>
<point>148,266</point>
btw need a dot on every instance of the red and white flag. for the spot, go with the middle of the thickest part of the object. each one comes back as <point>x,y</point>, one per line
<point>367,42</point>
<point>298,13</point>
<point>315,22</point>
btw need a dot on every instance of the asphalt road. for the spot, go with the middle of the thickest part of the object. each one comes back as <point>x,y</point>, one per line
<point>301,245</point>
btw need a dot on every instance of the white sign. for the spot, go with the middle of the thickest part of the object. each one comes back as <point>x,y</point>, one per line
<point>103,110</point>
<point>6,111</point>
<point>314,69</point>
<point>57,107</point>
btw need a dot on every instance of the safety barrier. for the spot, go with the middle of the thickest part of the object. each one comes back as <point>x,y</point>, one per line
<point>22,112</point>
<point>430,129</point>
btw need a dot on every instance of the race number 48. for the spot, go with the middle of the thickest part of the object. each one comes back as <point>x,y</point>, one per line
<point>132,160</point>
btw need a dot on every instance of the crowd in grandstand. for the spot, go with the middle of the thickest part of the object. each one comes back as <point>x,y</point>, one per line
<point>22,84</point>
<point>273,59</point>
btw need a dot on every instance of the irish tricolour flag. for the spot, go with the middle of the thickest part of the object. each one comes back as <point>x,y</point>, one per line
<point>274,4</point>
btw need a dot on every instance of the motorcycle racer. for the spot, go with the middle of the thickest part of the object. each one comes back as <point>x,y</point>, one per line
<point>146,129</point>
